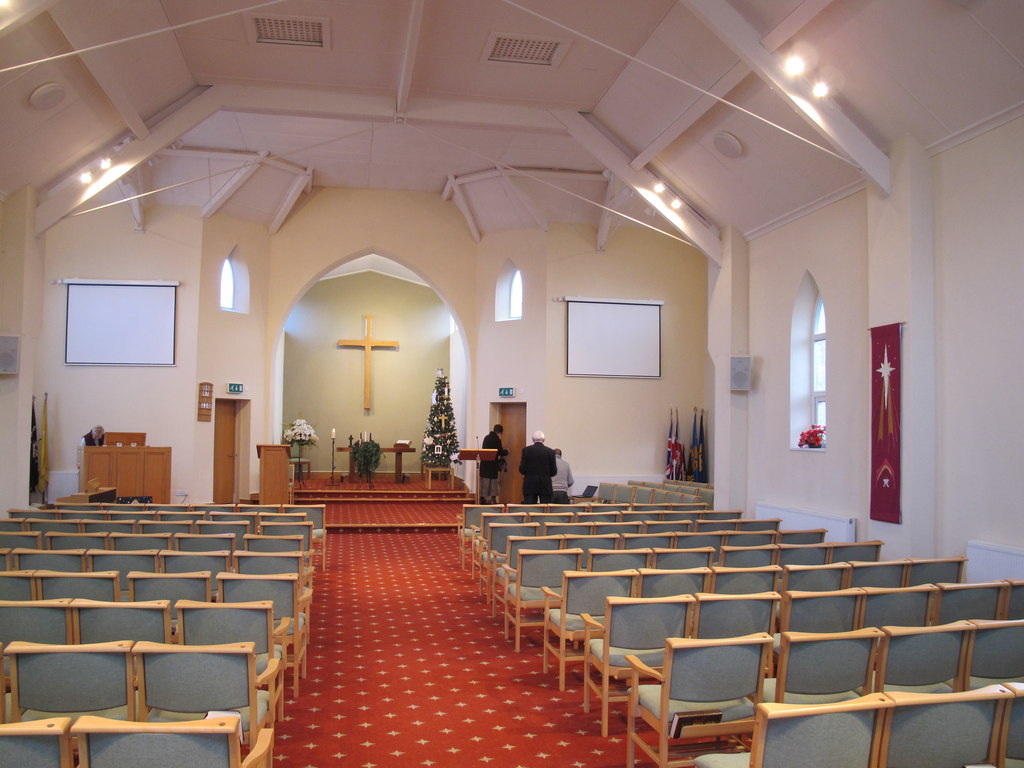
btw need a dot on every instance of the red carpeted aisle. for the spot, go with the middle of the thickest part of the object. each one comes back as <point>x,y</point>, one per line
<point>407,667</point>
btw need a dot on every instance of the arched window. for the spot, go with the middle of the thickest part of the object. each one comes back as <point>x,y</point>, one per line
<point>508,293</point>
<point>818,348</point>
<point>227,285</point>
<point>234,284</point>
<point>807,360</point>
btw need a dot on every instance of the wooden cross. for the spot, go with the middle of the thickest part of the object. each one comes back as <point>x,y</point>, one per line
<point>368,343</point>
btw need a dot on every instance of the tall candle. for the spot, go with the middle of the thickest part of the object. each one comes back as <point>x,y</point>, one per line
<point>334,433</point>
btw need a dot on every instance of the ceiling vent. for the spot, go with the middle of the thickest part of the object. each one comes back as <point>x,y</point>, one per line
<point>517,49</point>
<point>303,31</point>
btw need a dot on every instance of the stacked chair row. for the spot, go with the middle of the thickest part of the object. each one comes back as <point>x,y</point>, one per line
<point>72,510</point>
<point>57,620</point>
<point>105,743</point>
<point>642,492</point>
<point>143,681</point>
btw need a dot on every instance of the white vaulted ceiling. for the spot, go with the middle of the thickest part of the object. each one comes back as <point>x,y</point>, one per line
<point>400,94</point>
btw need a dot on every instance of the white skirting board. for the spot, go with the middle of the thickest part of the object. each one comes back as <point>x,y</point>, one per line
<point>990,562</point>
<point>838,528</point>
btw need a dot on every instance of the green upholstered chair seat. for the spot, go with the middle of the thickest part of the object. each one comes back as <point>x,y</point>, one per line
<point>807,698</point>
<point>617,656</point>
<point>723,760</point>
<point>570,621</point>
<point>527,594</point>
<point>732,709</point>
<point>169,716</point>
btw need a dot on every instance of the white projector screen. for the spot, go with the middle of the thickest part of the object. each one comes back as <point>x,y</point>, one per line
<point>607,337</point>
<point>120,324</point>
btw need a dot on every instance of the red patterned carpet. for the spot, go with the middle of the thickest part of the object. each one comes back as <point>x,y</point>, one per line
<point>407,667</point>
<point>393,513</point>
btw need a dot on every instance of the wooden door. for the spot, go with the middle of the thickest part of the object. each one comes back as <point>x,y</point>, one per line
<point>512,417</point>
<point>225,451</point>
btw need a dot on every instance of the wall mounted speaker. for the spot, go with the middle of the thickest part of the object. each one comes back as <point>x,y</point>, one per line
<point>739,373</point>
<point>9,354</point>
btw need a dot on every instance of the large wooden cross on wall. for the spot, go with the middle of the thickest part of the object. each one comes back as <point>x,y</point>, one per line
<point>368,343</point>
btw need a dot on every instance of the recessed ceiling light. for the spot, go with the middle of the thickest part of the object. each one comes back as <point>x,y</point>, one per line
<point>676,203</point>
<point>85,178</point>
<point>105,163</point>
<point>820,89</point>
<point>659,187</point>
<point>46,96</point>
<point>795,66</point>
<point>727,144</point>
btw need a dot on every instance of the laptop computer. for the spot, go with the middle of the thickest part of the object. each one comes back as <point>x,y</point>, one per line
<point>588,492</point>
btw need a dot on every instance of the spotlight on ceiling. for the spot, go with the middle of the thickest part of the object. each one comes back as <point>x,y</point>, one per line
<point>820,89</point>
<point>85,177</point>
<point>659,187</point>
<point>795,65</point>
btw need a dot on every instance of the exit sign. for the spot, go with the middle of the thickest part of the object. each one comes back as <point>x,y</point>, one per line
<point>506,391</point>
<point>235,389</point>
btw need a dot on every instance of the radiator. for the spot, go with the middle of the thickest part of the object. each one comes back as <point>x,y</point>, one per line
<point>990,562</point>
<point>837,528</point>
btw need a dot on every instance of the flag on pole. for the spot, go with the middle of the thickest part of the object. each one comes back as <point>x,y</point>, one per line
<point>691,462</point>
<point>33,466</point>
<point>677,452</point>
<point>668,452</point>
<point>44,451</point>
<point>700,472</point>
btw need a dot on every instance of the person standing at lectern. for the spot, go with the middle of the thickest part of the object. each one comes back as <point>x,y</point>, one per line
<point>489,469</point>
<point>94,436</point>
<point>537,466</point>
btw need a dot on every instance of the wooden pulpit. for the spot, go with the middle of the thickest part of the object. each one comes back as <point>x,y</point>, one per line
<point>478,455</point>
<point>273,473</point>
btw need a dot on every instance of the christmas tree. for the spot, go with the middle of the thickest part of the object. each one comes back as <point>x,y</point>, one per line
<point>440,440</point>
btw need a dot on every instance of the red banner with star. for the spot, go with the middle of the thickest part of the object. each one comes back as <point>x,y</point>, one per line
<point>885,423</point>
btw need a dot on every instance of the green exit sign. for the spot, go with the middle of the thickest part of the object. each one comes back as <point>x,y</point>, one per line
<point>506,391</point>
<point>235,389</point>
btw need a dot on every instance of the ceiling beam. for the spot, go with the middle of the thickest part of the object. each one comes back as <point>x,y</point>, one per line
<point>68,197</point>
<point>106,75</point>
<point>130,188</point>
<point>302,183</point>
<point>232,185</point>
<point>616,194</point>
<point>412,40</point>
<point>824,115</point>
<point>694,229</point>
<point>531,207</point>
<point>453,189</point>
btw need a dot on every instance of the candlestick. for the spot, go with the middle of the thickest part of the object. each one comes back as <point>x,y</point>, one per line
<point>334,433</point>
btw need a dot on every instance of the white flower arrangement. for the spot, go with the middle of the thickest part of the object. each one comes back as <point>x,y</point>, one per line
<point>300,432</point>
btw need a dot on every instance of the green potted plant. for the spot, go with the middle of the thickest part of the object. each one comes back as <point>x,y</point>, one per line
<point>366,457</point>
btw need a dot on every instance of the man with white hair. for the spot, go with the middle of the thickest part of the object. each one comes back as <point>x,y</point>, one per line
<point>537,466</point>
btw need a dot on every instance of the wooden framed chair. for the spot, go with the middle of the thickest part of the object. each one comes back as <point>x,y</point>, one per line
<point>925,659</point>
<point>647,540</point>
<point>825,667</point>
<point>709,686</point>
<point>524,588</point>
<point>744,581</point>
<point>145,560</point>
<point>214,561</point>
<point>173,587</point>
<point>716,616</point>
<point>208,743</point>
<point>204,542</point>
<point>36,744</point>
<point>659,582</point>
<point>494,551</point>
<point>17,585</point>
<point>93,585</point>
<point>980,601</point>
<point>98,621</point>
<point>506,573</point>
<point>59,540</point>
<point>945,730</point>
<point>753,537</point>
<point>134,541</point>
<point>748,557</point>
<point>618,559</point>
<point>589,541</point>
<point>1013,603</point>
<point>163,525</point>
<point>630,626</point>
<point>263,563</point>
<point>832,611</point>
<point>238,528</point>
<point>581,592</point>
<point>68,560</point>
<point>1013,748</point>
<point>899,606</point>
<point>184,682</point>
<point>882,573</point>
<point>109,526</point>
<point>997,653</point>
<point>258,542</point>
<point>802,554</point>
<point>219,623</point>
<point>21,539</point>
<point>935,570</point>
<point>845,551</point>
<point>812,735</point>
<point>680,558</point>
<point>47,680</point>
<point>814,578</point>
<point>805,536</point>
<point>469,525</point>
<point>291,606</point>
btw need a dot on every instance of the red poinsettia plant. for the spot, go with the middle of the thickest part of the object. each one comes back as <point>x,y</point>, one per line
<point>813,437</point>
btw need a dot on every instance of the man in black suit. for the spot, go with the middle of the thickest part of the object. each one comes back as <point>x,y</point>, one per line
<point>489,469</point>
<point>537,466</point>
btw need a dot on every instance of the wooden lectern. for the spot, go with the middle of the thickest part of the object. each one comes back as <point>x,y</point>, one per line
<point>274,473</point>
<point>478,455</point>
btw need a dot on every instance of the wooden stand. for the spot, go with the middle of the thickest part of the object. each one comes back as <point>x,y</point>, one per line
<point>134,471</point>
<point>274,461</point>
<point>478,455</point>
<point>439,473</point>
